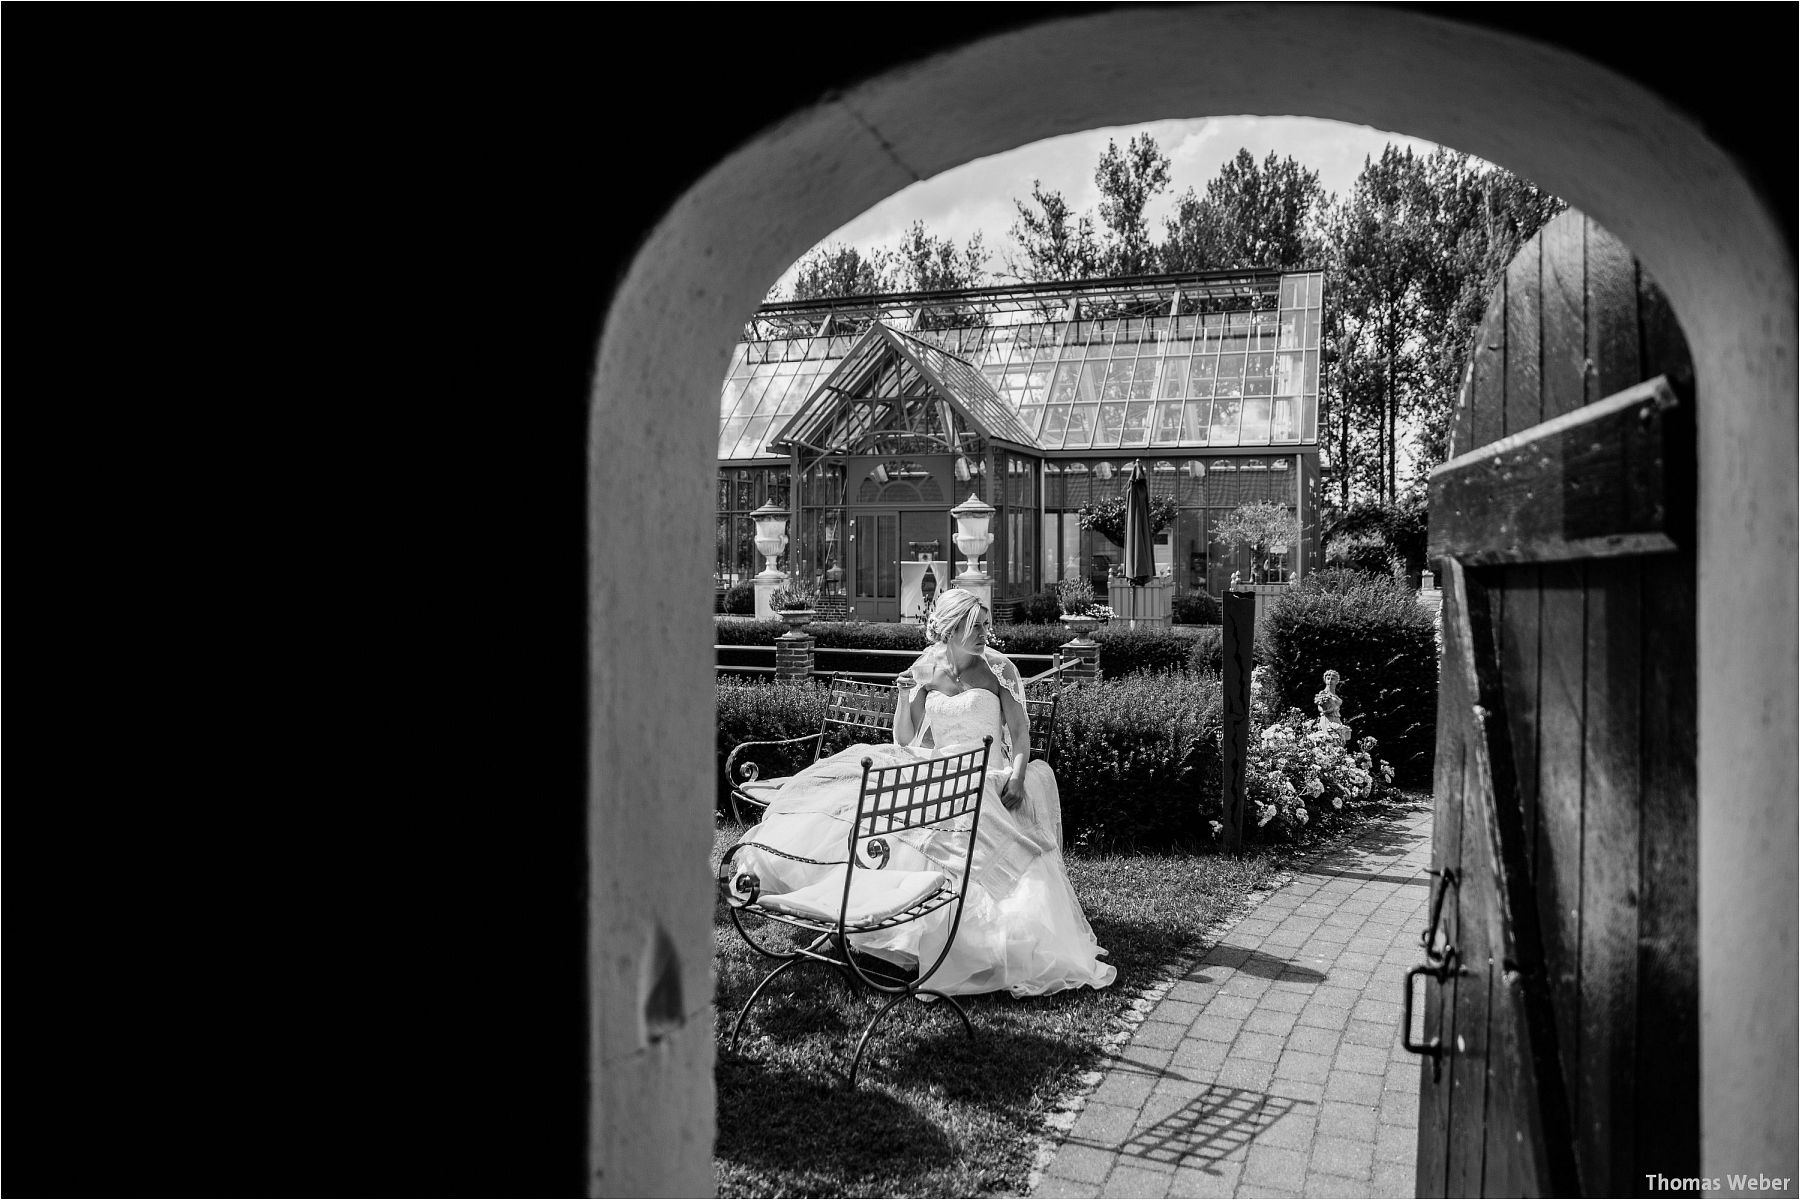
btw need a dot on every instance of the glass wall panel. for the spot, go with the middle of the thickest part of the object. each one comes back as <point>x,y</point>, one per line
<point>1118,380</point>
<point>1112,425</point>
<point>1143,382</point>
<point>1062,385</point>
<point>1313,284</point>
<point>1283,427</point>
<point>1168,423</point>
<point>1256,422</point>
<point>1081,425</point>
<point>729,435</point>
<point>1087,388</point>
<point>1196,422</point>
<point>1230,381</point>
<point>1056,424</point>
<point>1225,416</point>
<point>1259,370</point>
<point>1201,376</point>
<point>1174,378</point>
<point>753,436</point>
<point>1031,416</point>
<point>1137,424</point>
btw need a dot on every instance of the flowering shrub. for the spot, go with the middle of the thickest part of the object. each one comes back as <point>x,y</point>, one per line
<point>1300,768</point>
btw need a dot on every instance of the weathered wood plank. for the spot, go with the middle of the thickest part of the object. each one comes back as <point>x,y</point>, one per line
<point>1561,703</point>
<point>1477,902</point>
<point>1524,403</point>
<point>1612,317</point>
<point>1538,1103</point>
<point>1518,603</point>
<point>1564,315</point>
<point>1435,1082</point>
<point>1588,484</point>
<point>1487,399</point>
<point>1667,1104</point>
<point>1605,1139</point>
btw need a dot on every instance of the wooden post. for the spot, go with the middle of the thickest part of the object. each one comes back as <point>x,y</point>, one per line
<point>1240,640</point>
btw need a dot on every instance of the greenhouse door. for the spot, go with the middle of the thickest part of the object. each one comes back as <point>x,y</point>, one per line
<point>1559,985</point>
<point>875,547</point>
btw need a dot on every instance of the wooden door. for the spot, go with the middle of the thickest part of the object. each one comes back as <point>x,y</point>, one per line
<point>1560,1015</point>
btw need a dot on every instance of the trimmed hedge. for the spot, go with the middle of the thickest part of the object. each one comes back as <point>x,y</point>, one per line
<point>739,599</point>
<point>1039,608</point>
<point>1122,651</point>
<point>1138,760</point>
<point>1196,607</point>
<point>1374,633</point>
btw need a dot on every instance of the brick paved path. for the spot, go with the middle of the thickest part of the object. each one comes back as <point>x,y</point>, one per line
<point>1274,1067</point>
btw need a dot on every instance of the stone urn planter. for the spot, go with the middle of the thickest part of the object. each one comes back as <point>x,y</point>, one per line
<point>797,618</point>
<point>1081,627</point>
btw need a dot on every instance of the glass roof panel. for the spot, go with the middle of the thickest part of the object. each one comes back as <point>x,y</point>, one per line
<point>1244,313</point>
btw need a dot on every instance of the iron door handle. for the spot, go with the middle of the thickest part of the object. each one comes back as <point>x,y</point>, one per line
<point>1441,970</point>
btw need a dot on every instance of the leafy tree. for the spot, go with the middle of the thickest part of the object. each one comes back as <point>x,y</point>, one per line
<point>924,262</point>
<point>1257,526</point>
<point>1252,215</point>
<point>1128,180</point>
<point>1057,246</point>
<point>838,270</point>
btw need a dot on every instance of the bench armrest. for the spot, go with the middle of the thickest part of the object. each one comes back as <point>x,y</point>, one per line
<point>743,888</point>
<point>751,771</point>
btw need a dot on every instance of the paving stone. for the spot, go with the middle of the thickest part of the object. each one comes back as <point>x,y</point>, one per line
<point>1210,1182</point>
<point>1190,991</point>
<point>1252,986</point>
<point>1164,1035</point>
<point>1105,1124</point>
<point>1330,1186</point>
<point>1249,1074</point>
<point>1340,1119</point>
<point>1149,1058</point>
<point>1360,981</point>
<point>1385,1011</point>
<point>1231,1006</point>
<point>1331,933</point>
<point>1194,1055</point>
<point>1298,1064</point>
<point>1052,1187</point>
<point>1128,1089</point>
<point>1226,956</point>
<point>1276,1166</point>
<point>1264,1047</point>
<point>1298,1090</point>
<point>1266,1193</point>
<point>1371,1033</point>
<point>1394,1179</point>
<point>1292,1130</point>
<point>1313,1040</point>
<point>1132,1180</point>
<point>1342,1156</point>
<point>1174,1093</point>
<point>1324,1016</point>
<point>1353,1088</point>
<point>1351,960</point>
<point>1396,1143</point>
<point>1270,1021</point>
<point>1279,999</point>
<point>1215,1027</point>
<point>1084,1164</point>
<point>1370,1060</point>
<point>1399,1108</point>
<point>1181,1012</point>
<point>1336,997</point>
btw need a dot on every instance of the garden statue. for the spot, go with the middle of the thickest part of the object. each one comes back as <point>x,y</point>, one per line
<point>1331,719</point>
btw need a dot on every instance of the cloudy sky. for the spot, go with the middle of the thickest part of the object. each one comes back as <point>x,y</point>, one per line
<point>978,196</point>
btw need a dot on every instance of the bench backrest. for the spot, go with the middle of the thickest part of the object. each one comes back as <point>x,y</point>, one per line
<point>921,793</point>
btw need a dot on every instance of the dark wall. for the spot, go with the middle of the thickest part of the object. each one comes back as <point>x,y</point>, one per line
<point>310,300</point>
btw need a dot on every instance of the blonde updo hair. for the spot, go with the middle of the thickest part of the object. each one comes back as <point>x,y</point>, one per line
<point>954,613</point>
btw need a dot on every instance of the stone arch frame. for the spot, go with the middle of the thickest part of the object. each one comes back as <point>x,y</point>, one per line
<point>1611,147</point>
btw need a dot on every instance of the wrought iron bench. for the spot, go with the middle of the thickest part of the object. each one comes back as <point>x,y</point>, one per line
<point>867,711</point>
<point>857,895</point>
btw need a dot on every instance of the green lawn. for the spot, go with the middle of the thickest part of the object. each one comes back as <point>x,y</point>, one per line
<point>934,1114</point>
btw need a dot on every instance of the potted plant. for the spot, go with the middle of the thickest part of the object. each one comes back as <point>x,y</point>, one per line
<point>1260,527</point>
<point>1080,615</point>
<point>795,605</point>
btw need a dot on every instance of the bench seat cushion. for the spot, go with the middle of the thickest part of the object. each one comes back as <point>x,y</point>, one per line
<point>874,895</point>
<point>761,791</point>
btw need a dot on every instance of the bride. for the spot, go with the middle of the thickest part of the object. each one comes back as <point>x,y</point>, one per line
<point>1022,928</point>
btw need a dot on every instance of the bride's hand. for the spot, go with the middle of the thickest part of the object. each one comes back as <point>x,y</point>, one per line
<point>1012,792</point>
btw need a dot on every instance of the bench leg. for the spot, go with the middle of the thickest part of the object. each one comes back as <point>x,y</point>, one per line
<point>863,1043</point>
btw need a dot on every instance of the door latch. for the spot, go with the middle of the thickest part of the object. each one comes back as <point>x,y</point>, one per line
<point>1441,963</point>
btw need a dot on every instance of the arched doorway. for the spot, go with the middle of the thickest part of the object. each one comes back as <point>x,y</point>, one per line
<point>1610,147</point>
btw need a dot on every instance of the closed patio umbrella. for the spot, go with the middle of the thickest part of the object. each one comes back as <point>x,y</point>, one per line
<point>1140,556</point>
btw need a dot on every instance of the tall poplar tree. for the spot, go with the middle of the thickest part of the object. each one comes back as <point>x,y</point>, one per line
<point>1268,214</point>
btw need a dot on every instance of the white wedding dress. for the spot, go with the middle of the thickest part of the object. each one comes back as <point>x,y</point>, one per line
<point>1022,928</point>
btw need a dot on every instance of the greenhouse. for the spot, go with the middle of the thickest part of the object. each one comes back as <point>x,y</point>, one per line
<point>867,419</point>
